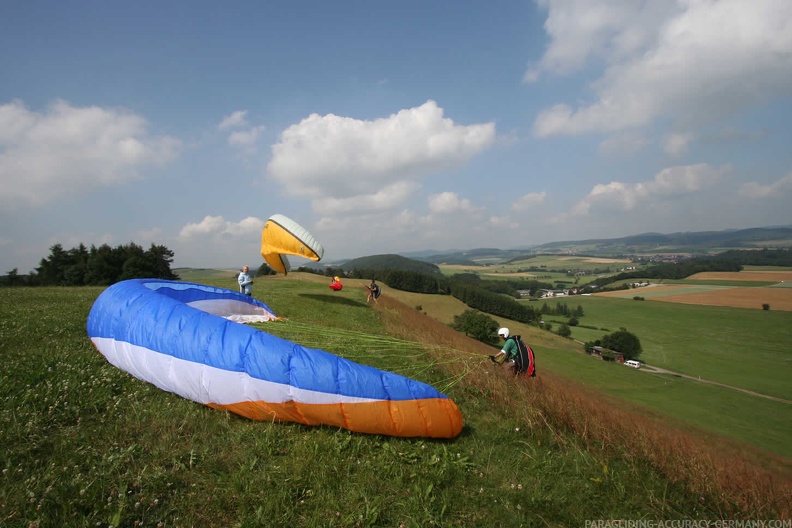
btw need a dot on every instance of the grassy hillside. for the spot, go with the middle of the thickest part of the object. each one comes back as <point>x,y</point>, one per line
<point>86,444</point>
<point>393,262</point>
<point>710,342</point>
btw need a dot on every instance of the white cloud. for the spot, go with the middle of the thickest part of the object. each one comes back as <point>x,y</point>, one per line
<point>341,157</point>
<point>779,188</point>
<point>503,222</point>
<point>70,149</point>
<point>668,183</point>
<point>606,29</point>
<point>245,139</point>
<point>677,145</point>
<point>449,202</point>
<point>213,227</point>
<point>234,120</point>
<point>385,199</point>
<point>693,62</point>
<point>624,144</point>
<point>527,201</point>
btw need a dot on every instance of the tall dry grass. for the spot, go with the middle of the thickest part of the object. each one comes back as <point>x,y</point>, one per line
<point>738,478</point>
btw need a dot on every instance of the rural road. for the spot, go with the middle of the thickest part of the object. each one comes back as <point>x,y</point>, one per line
<point>657,370</point>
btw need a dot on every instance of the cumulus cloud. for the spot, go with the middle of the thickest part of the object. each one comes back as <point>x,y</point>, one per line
<point>214,227</point>
<point>69,149</point>
<point>342,157</point>
<point>246,139</point>
<point>668,183</point>
<point>581,30</point>
<point>691,62</point>
<point>235,120</point>
<point>385,199</point>
<point>779,188</point>
<point>528,201</point>
<point>449,202</point>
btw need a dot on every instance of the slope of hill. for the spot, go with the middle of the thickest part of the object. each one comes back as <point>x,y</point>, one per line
<point>391,261</point>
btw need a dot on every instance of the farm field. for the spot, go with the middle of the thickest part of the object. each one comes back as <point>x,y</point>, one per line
<point>740,347</point>
<point>556,268</point>
<point>744,289</point>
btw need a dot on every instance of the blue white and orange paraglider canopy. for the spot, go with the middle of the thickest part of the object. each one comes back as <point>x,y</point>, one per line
<point>189,339</point>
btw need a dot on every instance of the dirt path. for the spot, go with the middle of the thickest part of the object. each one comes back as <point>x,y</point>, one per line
<point>657,370</point>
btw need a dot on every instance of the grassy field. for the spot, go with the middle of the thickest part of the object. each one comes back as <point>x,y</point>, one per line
<point>86,444</point>
<point>741,347</point>
<point>547,268</point>
<point>694,340</point>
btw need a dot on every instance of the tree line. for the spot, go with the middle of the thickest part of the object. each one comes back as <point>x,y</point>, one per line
<point>493,297</point>
<point>97,266</point>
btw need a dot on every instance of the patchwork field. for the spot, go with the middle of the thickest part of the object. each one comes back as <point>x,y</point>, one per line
<point>777,276</point>
<point>778,296</point>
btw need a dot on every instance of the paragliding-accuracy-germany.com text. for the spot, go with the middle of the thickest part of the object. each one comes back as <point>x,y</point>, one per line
<point>688,523</point>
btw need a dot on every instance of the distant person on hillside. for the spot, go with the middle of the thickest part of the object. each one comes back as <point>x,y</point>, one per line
<point>335,284</point>
<point>245,281</point>
<point>374,291</point>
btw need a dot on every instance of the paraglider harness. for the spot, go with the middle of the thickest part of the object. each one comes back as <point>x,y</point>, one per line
<point>375,290</point>
<point>524,363</point>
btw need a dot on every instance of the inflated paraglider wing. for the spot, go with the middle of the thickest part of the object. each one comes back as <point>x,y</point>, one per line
<point>283,236</point>
<point>181,337</point>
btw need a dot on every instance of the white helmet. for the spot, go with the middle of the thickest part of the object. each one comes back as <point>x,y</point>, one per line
<point>503,332</point>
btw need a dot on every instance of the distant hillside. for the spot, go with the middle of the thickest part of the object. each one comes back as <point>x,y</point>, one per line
<point>701,242</point>
<point>693,243</point>
<point>391,262</point>
<point>474,257</point>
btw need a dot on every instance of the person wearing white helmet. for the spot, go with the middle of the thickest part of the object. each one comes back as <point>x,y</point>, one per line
<point>516,354</point>
<point>509,351</point>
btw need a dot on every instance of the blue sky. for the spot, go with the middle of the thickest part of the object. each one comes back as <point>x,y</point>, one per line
<point>387,127</point>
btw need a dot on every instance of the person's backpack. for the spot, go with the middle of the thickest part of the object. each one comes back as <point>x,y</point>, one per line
<point>525,362</point>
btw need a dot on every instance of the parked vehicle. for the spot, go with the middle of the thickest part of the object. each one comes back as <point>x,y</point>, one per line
<point>633,363</point>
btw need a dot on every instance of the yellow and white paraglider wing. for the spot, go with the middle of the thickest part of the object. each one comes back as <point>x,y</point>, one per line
<point>283,236</point>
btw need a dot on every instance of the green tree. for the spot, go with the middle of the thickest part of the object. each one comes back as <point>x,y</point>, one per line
<point>264,270</point>
<point>476,325</point>
<point>623,341</point>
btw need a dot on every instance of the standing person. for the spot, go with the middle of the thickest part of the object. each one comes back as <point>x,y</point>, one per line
<point>374,291</point>
<point>245,281</point>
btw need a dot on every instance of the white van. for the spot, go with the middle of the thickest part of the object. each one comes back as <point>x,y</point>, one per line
<point>633,363</point>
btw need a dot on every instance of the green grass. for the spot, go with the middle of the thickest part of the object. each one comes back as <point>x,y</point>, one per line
<point>86,444</point>
<point>743,348</point>
<point>756,421</point>
<point>736,346</point>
